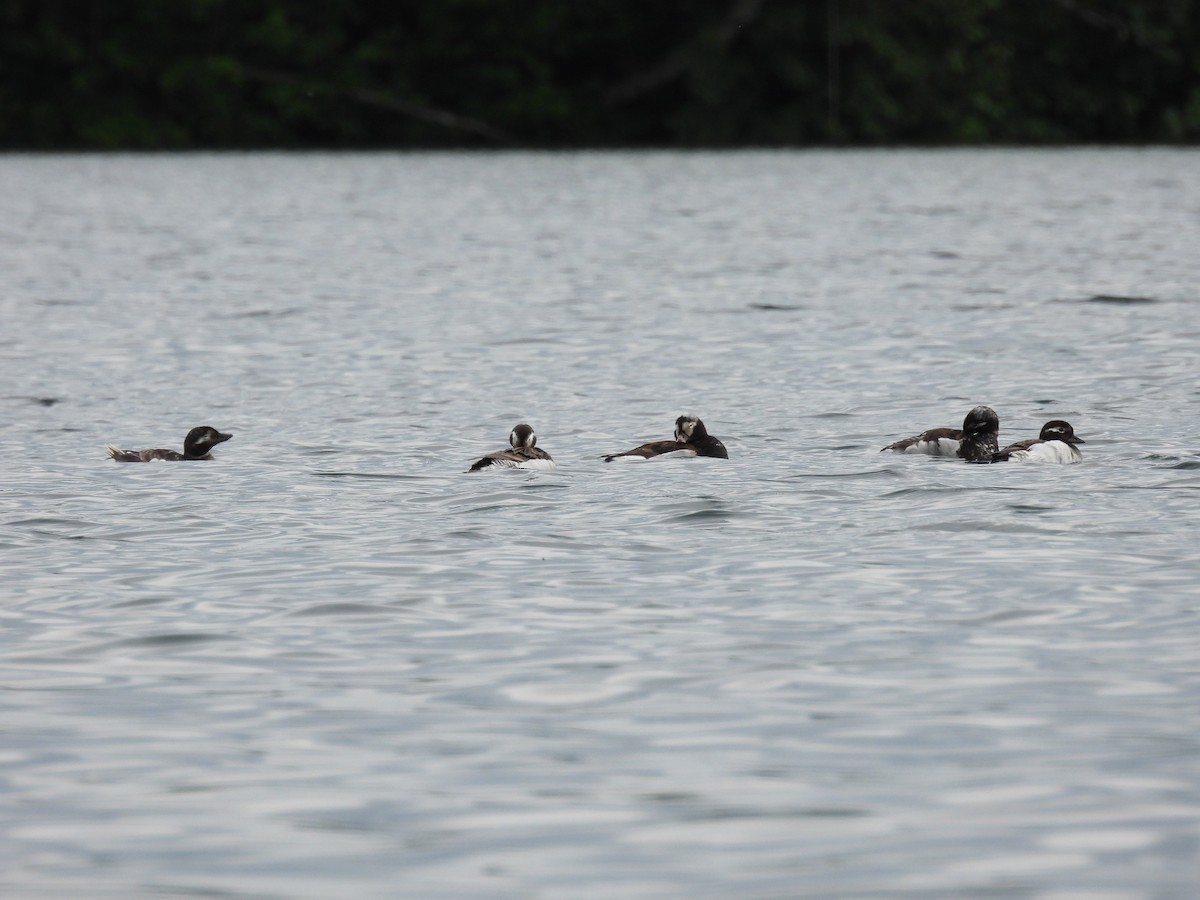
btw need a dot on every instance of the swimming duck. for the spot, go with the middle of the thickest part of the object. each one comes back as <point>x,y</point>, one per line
<point>197,445</point>
<point>976,441</point>
<point>1055,444</point>
<point>522,454</point>
<point>691,439</point>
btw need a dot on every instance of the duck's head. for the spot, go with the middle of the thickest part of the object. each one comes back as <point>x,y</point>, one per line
<point>201,440</point>
<point>689,429</point>
<point>522,437</point>
<point>1060,430</point>
<point>980,421</point>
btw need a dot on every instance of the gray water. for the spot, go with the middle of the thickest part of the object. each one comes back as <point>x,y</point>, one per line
<point>329,663</point>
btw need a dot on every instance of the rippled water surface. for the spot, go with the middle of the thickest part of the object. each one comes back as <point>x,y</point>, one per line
<point>329,663</point>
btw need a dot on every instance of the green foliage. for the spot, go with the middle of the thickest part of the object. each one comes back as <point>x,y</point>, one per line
<point>160,74</point>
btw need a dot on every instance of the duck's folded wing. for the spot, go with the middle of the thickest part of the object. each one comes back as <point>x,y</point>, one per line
<point>935,441</point>
<point>502,459</point>
<point>142,455</point>
<point>648,451</point>
<point>1019,445</point>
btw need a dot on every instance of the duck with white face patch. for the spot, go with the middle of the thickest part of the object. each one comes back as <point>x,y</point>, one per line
<point>691,439</point>
<point>523,453</point>
<point>1056,443</point>
<point>197,445</point>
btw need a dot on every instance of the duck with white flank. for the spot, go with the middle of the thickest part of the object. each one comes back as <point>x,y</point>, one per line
<point>1056,444</point>
<point>522,454</point>
<point>977,441</point>
<point>691,439</point>
<point>197,445</point>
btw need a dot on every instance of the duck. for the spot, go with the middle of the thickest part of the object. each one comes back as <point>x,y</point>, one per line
<point>1056,443</point>
<point>197,445</point>
<point>523,453</point>
<point>976,441</point>
<point>691,439</point>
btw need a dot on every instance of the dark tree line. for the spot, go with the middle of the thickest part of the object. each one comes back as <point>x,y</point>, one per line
<point>566,73</point>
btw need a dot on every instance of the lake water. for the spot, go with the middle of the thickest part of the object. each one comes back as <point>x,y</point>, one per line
<point>329,663</point>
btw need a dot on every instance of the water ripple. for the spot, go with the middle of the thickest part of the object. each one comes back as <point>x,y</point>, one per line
<point>329,661</point>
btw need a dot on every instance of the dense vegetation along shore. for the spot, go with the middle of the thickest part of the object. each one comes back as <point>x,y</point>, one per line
<point>144,74</point>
